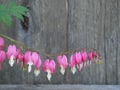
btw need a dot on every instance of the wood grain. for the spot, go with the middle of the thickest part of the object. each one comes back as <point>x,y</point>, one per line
<point>92,24</point>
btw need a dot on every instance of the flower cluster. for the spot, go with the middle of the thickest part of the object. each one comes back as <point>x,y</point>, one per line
<point>78,60</point>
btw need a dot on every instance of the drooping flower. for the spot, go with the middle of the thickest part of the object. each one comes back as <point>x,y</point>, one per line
<point>62,62</point>
<point>37,62</point>
<point>89,58</point>
<point>73,63</point>
<point>49,67</point>
<point>11,54</point>
<point>21,59</point>
<point>94,54</point>
<point>32,58</point>
<point>78,60</point>
<point>28,60</point>
<point>37,66</point>
<point>16,56</point>
<point>2,58</point>
<point>84,57</point>
<point>1,43</point>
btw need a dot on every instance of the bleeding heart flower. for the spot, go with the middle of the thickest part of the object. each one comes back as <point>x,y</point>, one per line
<point>73,63</point>
<point>16,55</point>
<point>1,43</point>
<point>37,62</point>
<point>89,58</point>
<point>37,66</point>
<point>28,60</point>
<point>94,54</point>
<point>2,58</point>
<point>84,56</point>
<point>21,57</point>
<point>78,60</point>
<point>27,56</point>
<point>62,62</point>
<point>49,67</point>
<point>11,54</point>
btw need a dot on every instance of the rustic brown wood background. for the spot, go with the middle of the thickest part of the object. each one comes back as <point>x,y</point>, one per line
<point>92,24</point>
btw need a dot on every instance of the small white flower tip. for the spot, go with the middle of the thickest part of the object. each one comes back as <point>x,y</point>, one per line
<point>49,76</point>
<point>11,61</point>
<point>29,68</point>
<point>62,70</point>
<point>36,72</point>
<point>73,69</point>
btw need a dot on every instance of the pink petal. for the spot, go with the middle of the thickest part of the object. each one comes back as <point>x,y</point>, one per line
<point>17,53</point>
<point>78,57</point>
<point>38,64</point>
<point>21,57</point>
<point>2,56</point>
<point>11,51</point>
<point>45,65</point>
<point>62,61</point>
<point>89,56</point>
<point>1,43</point>
<point>52,66</point>
<point>27,57</point>
<point>84,56</point>
<point>94,54</point>
<point>72,60</point>
<point>34,57</point>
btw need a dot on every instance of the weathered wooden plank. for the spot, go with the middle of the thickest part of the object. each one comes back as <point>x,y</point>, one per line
<point>118,45</point>
<point>111,27</point>
<point>98,18</point>
<point>77,33</point>
<point>9,75</point>
<point>92,24</point>
<point>85,23</point>
<point>46,33</point>
<point>59,87</point>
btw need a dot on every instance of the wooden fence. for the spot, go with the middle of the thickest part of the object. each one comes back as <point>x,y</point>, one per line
<point>91,24</point>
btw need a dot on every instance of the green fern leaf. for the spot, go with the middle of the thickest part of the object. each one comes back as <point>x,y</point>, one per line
<point>17,11</point>
<point>4,16</point>
<point>11,10</point>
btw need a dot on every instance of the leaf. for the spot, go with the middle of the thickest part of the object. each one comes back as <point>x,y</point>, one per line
<point>11,10</point>
<point>4,16</point>
<point>17,11</point>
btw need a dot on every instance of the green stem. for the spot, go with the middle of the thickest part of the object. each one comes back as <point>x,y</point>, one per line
<point>45,54</point>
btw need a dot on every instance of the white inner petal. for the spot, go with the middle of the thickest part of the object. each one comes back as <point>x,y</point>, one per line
<point>30,66</point>
<point>49,75</point>
<point>62,70</point>
<point>11,61</point>
<point>73,69</point>
<point>36,72</point>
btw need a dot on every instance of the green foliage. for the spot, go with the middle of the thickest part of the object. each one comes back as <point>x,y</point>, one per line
<point>12,9</point>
